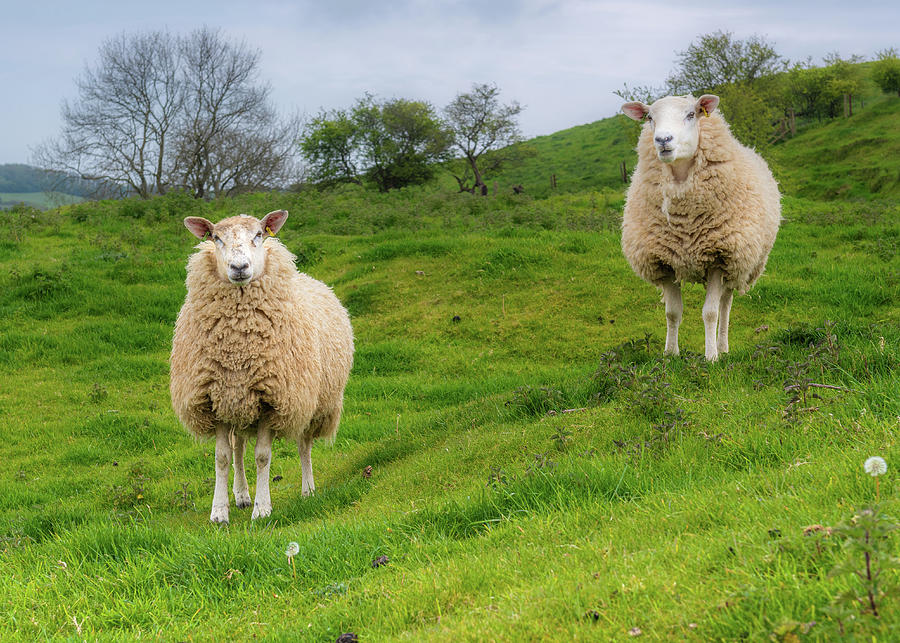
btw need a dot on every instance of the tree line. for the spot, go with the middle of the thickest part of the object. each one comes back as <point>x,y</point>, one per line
<point>399,142</point>
<point>160,112</point>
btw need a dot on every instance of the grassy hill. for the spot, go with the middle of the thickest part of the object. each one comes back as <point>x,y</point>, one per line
<point>586,157</point>
<point>539,471</point>
<point>845,158</point>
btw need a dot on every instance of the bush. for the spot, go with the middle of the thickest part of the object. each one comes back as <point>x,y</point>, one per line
<point>886,71</point>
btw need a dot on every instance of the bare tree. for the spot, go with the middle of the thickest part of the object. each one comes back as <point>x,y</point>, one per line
<point>485,132</point>
<point>159,112</point>
<point>120,127</point>
<point>229,136</point>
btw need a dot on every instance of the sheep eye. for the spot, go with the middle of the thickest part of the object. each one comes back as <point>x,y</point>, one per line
<point>217,240</point>
<point>690,116</point>
<point>649,118</point>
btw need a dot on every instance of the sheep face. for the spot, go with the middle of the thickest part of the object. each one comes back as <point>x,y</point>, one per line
<point>240,248</point>
<point>673,122</point>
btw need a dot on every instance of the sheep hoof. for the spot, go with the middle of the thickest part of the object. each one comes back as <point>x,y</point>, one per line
<point>261,511</point>
<point>242,502</point>
<point>219,515</point>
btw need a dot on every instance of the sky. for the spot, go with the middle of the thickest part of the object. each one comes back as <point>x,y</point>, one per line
<point>560,59</point>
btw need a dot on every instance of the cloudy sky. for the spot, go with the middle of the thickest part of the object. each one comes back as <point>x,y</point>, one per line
<point>561,59</point>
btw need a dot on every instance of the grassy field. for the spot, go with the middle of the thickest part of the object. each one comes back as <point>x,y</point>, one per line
<point>539,471</point>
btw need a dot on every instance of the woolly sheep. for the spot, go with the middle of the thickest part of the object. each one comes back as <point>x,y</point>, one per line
<point>701,208</point>
<point>259,348</point>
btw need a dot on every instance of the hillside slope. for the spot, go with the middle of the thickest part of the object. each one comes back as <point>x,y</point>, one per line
<point>538,470</point>
<point>849,158</point>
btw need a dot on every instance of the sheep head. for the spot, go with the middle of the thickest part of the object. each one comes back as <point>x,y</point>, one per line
<point>240,249</point>
<point>673,121</point>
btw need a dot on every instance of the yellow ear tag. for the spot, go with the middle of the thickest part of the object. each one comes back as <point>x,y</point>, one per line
<point>703,109</point>
<point>269,230</point>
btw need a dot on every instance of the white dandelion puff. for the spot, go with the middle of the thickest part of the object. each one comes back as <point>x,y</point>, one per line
<point>875,466</point>
<point>292,550</point>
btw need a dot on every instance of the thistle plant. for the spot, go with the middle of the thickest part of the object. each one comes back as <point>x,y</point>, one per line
<point>866,543</point>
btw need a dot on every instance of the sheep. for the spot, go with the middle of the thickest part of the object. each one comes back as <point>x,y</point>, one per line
<point>701,208</point>
<point>259,348</point>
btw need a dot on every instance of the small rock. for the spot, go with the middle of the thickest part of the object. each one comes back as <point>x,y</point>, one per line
<point>381,560</point>
<point>347,637</point>
<point>421,273</point>
<point>456,319</point>
<point>635,631</point>
<point>367,472</point>
<point>277,478</point>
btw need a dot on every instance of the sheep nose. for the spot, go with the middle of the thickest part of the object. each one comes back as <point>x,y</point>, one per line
<point>663,140</point>
<point>239,267</point>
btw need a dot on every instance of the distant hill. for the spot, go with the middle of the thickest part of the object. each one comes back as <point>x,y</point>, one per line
<point>21,178</point>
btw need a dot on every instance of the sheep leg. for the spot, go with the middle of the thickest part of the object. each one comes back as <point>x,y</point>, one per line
<point>305,449</point>
<point>240,488</point>
<point>220,501</point>
<point>672,297</point>
<point>714,292</point>
<point>724,313</point>
<point>263,505</point>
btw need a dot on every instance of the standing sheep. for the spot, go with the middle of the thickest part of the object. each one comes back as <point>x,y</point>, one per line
<point>259,348</point>
<point>701,208</point>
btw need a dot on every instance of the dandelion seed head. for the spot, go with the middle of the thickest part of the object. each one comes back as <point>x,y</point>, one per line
<point>875,466</point>
<point>292,549</point>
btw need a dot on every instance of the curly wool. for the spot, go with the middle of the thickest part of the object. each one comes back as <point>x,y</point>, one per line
<point>279,349</point>
<point>725,214</point>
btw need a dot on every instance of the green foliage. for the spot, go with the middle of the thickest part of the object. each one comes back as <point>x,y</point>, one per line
<point>867,556</point>
<point>750,109</point>
<point>886,71</point>
<point>486,136</point>
<point>718,58</point>
<point>329,144</point>
<point>402,140</point>
<point>393,144</point>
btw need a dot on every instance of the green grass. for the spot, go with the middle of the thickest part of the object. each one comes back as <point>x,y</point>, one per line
<point>847,158</point>
<point>673,498</point>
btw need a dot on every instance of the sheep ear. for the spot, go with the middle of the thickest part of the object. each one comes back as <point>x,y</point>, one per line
<point>273,221</point>
<point>198,226</point>
<point>707,104</point>
<point>635,111</point>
